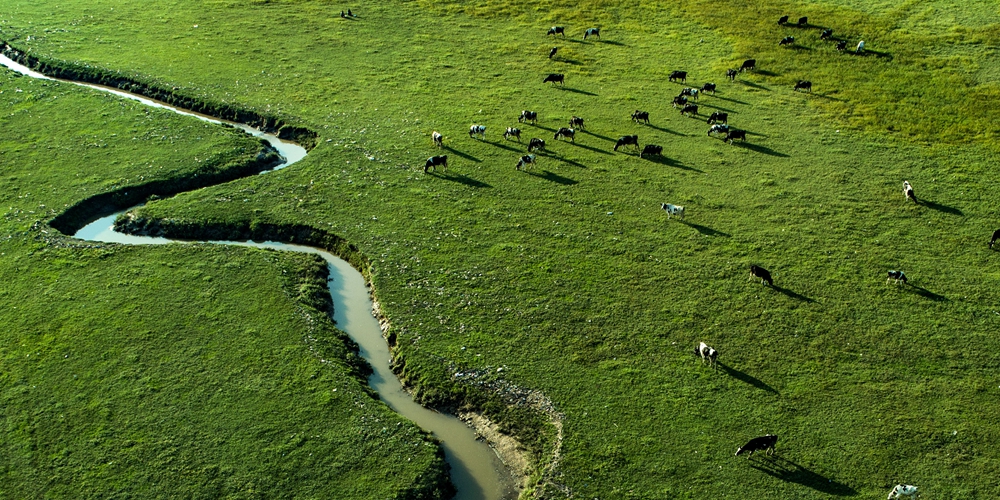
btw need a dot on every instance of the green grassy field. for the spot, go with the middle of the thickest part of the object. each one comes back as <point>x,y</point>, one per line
<point>570,277</point>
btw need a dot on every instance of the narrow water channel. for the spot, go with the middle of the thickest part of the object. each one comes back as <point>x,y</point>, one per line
<point>476,471</point>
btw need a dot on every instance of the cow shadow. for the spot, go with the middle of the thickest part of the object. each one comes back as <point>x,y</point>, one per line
<point>570,162</point>
<point>754,85</point>
<point>788,293</point>
<point>543,127</point>
<point>927,294</point>
<point>461,154</point>
<point>763,149</point>
<point>591,148</point>
<point>612,42</point>
<point>800,48</point>
<point>502,146</point>
<point>765,73</point>
<point>737,101</point>
<point>461,179</point>
<point>748,379</point>
<point>791,472</point>
<point>870,53</point>
<point>577,91</point>
<point>574,62</point>
<point>599,136</point>
<point>670,162</point>
<point>720,108</point>
<point>757,134</point>
<point>553,177</point>
<point>707,231</point>
<point>665,130</point>
<point>941,208</point>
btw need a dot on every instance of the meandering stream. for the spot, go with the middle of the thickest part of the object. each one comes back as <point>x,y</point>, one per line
<point>476,471</point>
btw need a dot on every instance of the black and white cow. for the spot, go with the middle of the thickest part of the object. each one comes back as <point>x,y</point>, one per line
<point>553,52</point>
<point>902,490</point>
<point>640,116</point>
<point>788,40</point>
<point>555,78</point>
<point>535,143</point>
<point>576,122</point>
<point>688,91</point>
<point>996,236</point>
<point>804,85</point>
<point>764,443</point>
<point>749,64</point>
<point>651,150</point>
<point>627,140</point>
<point>479,130</point>
<point>898,276</point>
<point>680,101</point>
<point>592,32</point>
<point>527,116</point>
<point>734,134</point>
<point>672,210</point>
<point>434,161</point>
<point>759,272</point>
<point>708,87</point>
<point>706,353</point>
<point>826,34</point>
<point>512,132</point>
<point>731,74</point>
<point>525,161</point>
<point>557,30</point>
<point>690,109</point>
<point>566,132</point>
<point>718,128</point>
<point>678,75</point>
<point>908,192</point>
<point>717,117</point>
<point>437,138</point>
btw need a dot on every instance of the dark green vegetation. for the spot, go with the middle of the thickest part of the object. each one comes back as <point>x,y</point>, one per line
<point>570,277</point>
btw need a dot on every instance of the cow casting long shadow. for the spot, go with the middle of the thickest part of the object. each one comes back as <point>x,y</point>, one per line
<point>461,179</point>
<point>463,155</point>
<point>746,378</point>
<point>791,472</point>
<point>553,177</point>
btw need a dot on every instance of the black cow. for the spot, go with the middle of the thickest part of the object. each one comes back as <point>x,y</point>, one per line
<point>782,19</point>
<point>996,236</point>
<point>826,34</point>
<point>680,101</point>
<point>434,161</point>
<point>512,132</point>
<point>803,21</point>
<point>691,109</point>
<point>525,161</point>
<point>708,87</point>
<point>732,135</point>
<point>718,117</point>
<point>764,443</point>
<point>748,65</point>
<point>535,143</point>
<point>555,78</point>
<point>842,45</point>
<point>576,122</point>
<point>566,132</point>
<point>640,116</point>
<point>556,30</point>
<point>804,85</point>
<point>896,275</point>
<point>731,74</point>
<point>678,75</point>
<point>592,32</point>
<point>528,116</point>
<point>627,140</point>
<point>759,272</point>
<point>651,150</point>
<point>788,40</point>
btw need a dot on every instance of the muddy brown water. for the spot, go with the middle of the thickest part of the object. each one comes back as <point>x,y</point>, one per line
<point>476,470</point>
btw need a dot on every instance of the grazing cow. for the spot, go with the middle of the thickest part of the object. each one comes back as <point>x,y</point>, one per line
<point>759,272</point>
<point>557,30</point>
<point>651,150</point>
<point>434,161</point>
<point>525,161</point>
<point>706,353</point>
<point>678,75</point>
<point>826,34</point>
<point>717,117</point>
<point>640,116</point>
<point>680,101</point>
<point>764,443</point>
<point>553,52</point>
<point>908,192</point>
<point>673,210</point>
<point>748,65</point>
<point>896,275</point>
<point>861,46</point>
<point>782,20</point>
<point>718,128</point>
<point>734,134</point>
<point>555,78</point>
<point>708,87</point>
<point>690,109</point>
<point>349,13</point>
<point>527,116</point>
<point>566,132</point>
<point>689,91</point>
<point>592,32</point>
<point>535,143</point>
<point>842,45</point>
<point>512,132</point>
<point>731,74</point>
<point>576,122</point>
<point>996,236</point>
<point>626,140</point>
<point>479,130</point>
<point>437,138</point>
<point>788,40</point>
<point>803,21</point>
<point>902,490</point>
<point>804,85</point>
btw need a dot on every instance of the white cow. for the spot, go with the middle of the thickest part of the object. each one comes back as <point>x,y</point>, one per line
<point>902,490</point>
<point>706,353</point>
<point>437,138</point>
<point>673,210</point>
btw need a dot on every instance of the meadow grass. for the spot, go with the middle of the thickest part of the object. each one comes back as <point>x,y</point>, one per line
<point>570,278</point>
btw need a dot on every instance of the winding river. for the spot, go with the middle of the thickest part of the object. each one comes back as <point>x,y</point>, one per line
<point>476,471</point>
